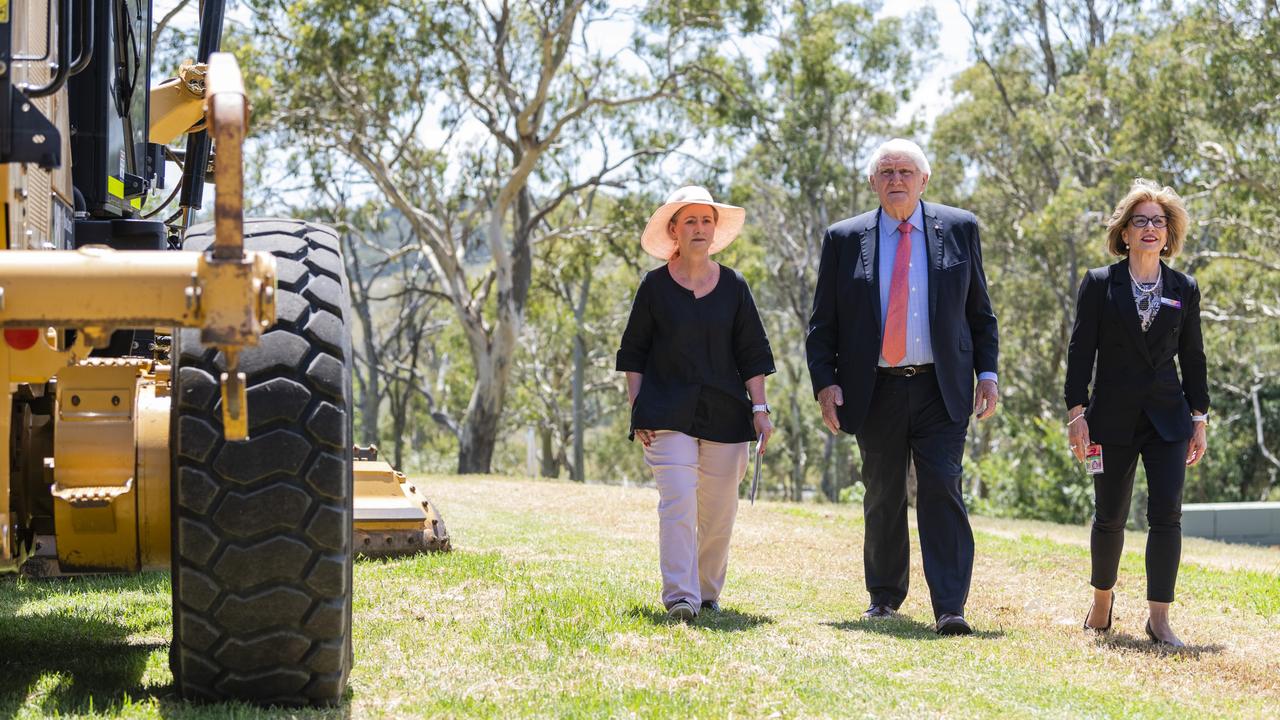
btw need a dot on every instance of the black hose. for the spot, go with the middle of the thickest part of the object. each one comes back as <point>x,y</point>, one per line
<point>64,53</point>
<point>87,33</point>
<point>197,157</point>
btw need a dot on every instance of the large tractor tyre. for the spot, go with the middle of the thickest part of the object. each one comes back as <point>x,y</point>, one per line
<point>262,528</point>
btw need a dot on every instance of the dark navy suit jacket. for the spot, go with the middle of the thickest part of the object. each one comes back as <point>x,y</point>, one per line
<point>1135,370</point>
<point>843,344</point>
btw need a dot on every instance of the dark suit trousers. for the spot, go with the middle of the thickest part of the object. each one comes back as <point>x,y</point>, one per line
<point>908,419</point>
<point>1165,463</point>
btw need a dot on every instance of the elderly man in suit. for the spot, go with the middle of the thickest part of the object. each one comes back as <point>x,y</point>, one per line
<point>901,324</point>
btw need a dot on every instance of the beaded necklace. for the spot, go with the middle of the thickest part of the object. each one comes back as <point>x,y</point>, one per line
<point>1147,298</point>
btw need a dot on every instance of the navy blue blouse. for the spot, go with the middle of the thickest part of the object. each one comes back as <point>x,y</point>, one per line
<point>696,355</point>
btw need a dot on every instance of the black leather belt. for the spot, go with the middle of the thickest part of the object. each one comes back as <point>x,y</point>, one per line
<point>906,370</point>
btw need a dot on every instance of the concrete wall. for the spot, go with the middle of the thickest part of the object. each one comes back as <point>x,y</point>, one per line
<point>1256,523</point>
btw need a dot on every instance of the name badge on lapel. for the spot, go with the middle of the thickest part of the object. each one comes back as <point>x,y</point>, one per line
<point>1177,304</point>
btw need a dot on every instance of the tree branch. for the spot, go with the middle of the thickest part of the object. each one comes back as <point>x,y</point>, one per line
<point>1258,427</point>
<point>165,20</point>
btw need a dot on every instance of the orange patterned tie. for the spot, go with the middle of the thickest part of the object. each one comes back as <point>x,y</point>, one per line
<point>895,324</point>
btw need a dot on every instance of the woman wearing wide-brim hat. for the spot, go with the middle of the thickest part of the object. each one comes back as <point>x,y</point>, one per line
<point>696,355</point>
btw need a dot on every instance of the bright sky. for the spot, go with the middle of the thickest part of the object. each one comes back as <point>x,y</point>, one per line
<point>952,49</point>
<point>237,12</point>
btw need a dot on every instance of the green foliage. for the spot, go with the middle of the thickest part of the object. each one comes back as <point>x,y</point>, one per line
<point>1043,163</point>
<point>829,86</point>
<point>1018,478</point>
<point>469,120</point>
<point>774,105</point>
<point>583,283</point>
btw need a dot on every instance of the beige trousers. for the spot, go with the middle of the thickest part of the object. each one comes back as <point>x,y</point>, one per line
<point>697,501</point>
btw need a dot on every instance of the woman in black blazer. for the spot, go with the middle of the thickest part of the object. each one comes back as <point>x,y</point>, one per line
<point>1135,317</point>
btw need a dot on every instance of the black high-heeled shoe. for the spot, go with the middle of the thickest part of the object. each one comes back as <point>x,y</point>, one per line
<point>1107,627</point>
<point>1156,640</point>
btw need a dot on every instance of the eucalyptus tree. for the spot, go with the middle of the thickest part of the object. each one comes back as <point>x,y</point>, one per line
<point>477,122</point>
<point>568,345</point>
<point>1065,105</point>
<point>830,88</point>
<point>398,310</point>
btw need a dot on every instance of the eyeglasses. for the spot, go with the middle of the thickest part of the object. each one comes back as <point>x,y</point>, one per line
<point>1155,221</point>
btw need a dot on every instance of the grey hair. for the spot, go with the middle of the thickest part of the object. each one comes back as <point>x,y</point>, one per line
<point>898,146</point>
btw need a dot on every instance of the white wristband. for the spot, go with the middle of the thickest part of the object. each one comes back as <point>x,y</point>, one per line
<point>1200,418</point>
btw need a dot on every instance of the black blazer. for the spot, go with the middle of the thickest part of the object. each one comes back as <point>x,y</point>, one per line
<point>843,344</point>
<point>1135,370</point>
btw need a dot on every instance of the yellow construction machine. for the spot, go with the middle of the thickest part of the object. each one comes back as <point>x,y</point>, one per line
<point>178,397</point>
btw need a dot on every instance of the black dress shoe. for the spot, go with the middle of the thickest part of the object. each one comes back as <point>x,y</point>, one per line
<point>710,605</point>
<point>952,624</point>
<point>879,611</point>
<point>1107,627</point>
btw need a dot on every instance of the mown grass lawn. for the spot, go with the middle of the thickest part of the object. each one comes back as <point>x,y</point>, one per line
<point>548,607</point>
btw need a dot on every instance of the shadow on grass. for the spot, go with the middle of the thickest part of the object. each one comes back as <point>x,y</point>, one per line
<point>62,654</point>
<point>905,628</point>
<point>1125,641</point>
<point>70,659</point>
<point>727,620</point>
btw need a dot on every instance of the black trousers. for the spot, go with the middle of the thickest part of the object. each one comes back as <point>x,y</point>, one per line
<point>908,419</point>
<point>1166,467</point>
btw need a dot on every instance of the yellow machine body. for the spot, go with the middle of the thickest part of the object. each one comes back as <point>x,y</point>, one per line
<point>110,468</point>
<point>109,471</point>
<point>392,517</point>
<point>177,104</point>
<point>95,498</point>
<point>99,452</point>
<point>108,474</point>
<point>128,368</point>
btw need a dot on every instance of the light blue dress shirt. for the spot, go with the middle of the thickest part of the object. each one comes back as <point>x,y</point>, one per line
<point>919,341</point>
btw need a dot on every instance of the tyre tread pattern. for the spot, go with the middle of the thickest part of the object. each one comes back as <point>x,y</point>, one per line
<point>262,528</point>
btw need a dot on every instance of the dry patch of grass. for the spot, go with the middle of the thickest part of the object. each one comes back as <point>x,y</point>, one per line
<point>798,570</point>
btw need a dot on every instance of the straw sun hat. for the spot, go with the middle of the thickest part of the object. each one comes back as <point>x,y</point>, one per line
<point>657,243</point>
